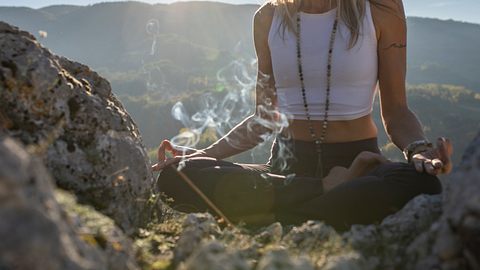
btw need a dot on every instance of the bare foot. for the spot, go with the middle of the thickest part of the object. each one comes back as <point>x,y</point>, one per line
<point>361,165</point>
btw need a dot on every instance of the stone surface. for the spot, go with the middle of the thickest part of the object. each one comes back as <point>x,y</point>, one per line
<point>453,242</point>
<point>36,233</point>
<point>67,112</point>
<point>387,241</point>
<point>281,260</point>
<point>99,230</point>
<point>197,228</point>
<point>215,256</point>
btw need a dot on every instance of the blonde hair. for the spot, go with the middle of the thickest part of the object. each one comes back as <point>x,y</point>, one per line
<point>350,12</point>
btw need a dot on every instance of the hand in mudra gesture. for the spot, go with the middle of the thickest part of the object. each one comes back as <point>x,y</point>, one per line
<point>177,153</point>
<point>436,160</point>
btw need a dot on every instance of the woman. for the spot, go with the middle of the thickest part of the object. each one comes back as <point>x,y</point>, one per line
<point>319,63</point>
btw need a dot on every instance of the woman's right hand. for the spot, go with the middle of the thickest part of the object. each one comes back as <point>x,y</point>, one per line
<point>178,153</point>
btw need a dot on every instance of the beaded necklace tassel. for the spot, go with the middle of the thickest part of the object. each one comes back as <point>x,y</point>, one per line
<point>318,140</point>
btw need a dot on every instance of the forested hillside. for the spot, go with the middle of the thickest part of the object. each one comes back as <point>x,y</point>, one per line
<point>180,43</point>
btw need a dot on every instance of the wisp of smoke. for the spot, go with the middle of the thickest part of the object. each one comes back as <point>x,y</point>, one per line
<point>151,71</point>
<point>238,81</point>
<point>153,29</point>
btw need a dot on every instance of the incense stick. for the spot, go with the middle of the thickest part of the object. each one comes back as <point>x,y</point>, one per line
<point>203,196</point>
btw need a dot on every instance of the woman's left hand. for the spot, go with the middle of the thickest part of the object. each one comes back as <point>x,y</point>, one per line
<point>437,160</point>
<point>178,152</point>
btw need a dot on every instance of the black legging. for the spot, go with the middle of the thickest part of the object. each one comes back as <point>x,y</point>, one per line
<point>242,190</point>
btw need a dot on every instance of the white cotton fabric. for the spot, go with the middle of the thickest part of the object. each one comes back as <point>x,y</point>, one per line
<point>354,71</point>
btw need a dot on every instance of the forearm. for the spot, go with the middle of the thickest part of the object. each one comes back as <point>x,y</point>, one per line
<point>403,128</point>
<point>244,136</point>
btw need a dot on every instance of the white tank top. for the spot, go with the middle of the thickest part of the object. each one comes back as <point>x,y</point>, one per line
<point>354,71</point>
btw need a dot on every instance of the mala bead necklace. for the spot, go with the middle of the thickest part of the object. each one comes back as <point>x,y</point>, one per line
<point>318,140</point>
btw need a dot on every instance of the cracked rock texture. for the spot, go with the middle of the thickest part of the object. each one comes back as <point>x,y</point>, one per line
<point>37,233</point>
<point>453,241</point>
<point>68,112</point>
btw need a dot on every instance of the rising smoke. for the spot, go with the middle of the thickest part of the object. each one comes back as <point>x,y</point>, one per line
<point>237,82</point>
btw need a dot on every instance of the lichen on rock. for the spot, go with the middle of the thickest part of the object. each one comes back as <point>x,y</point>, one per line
<point>35,230</point>
<point>90,144</point>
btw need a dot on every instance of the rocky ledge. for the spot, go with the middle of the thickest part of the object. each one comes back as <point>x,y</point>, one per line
<point>68,115</point>
<point>61,127</point>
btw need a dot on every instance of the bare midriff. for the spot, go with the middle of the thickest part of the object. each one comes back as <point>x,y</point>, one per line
<point>338,131</point>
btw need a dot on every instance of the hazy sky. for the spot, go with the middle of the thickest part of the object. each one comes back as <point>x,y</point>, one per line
<point>462,10</point>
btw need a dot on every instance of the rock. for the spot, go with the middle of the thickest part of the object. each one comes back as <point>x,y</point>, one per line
<point>384,245</point>
<point>347,261</point>
<point>196,229</point>
<point>310,236</point>
<point>270,235</point>
<point>214,256</point>
<point>36,233</point>
<point>415,217</point>
<point>453,241</point>
<point>96,228</point>
<point>66,112</point>
<point>281,260</point>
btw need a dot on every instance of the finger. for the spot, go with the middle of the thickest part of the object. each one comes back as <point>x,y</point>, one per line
<point>437,166</point>
<point>165,146</point>
<point>447,145</point>
<point>437,163</point>
<point>155,167</point>
<point>161,151</point>
<point>442,148</point>
<point>168,146</point>
<point>429,167</point>
<point>418,163</point>
<point>445,149</point>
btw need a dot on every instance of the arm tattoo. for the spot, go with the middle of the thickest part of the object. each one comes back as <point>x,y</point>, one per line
<point>396,45</point>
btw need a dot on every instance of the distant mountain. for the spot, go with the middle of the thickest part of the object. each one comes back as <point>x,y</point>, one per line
<point>444,52</point>
<point>460,10</point>
<point>115,35</point>
<point>464,10</point>
<point>198,38</point>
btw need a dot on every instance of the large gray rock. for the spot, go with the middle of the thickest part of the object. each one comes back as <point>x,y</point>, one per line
<point>453,242</point>
<point>197,228</point>
<point>35,232</point>
<point>100,231</point>
<point>213,255</point>
<point>67,111</point>
<point>384,245</point>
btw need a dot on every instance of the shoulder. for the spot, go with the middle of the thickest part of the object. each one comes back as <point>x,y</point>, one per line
<point>388,16</point>
<point>391,7</point>
<point>264,15</point>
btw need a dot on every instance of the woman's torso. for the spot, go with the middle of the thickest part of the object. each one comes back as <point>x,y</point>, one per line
<point>354,77</point>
